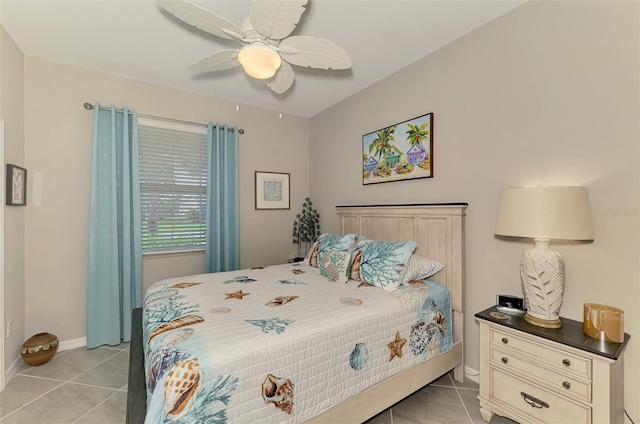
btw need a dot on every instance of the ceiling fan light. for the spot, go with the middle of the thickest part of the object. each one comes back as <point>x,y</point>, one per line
<point>259,61</point>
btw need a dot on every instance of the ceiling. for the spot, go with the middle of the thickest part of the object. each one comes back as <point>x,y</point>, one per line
<point>137,39</point>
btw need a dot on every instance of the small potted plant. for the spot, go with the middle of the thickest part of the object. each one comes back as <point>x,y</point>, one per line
<point>306,228</point>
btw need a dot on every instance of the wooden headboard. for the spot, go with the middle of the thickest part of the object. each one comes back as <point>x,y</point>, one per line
<point>437,229</point>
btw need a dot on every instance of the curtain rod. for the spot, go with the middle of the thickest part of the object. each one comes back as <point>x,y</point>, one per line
<point>89,106</point>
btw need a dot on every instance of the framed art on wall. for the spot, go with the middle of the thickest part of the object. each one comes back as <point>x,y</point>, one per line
<point>16,188</point>
<point>398,152</point>
<point>272,190</point>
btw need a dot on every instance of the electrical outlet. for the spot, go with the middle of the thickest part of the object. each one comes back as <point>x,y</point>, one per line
<point>9,328</point>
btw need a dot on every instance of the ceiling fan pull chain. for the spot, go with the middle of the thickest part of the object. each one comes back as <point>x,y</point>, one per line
<point>237,88</point>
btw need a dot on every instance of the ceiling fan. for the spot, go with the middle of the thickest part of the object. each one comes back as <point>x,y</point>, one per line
<point>268,51</point>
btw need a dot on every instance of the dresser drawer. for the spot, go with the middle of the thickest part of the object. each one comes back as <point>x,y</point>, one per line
<point>532,370</point>
<point>544,354</point>
<point>548,407</point>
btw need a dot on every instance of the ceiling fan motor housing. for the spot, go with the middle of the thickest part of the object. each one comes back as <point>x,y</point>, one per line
<point>259,60</point>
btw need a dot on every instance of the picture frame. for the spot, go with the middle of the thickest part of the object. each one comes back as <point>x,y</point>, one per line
<point>402,151</point>
<point>272,190</point>
<point>16,186</point>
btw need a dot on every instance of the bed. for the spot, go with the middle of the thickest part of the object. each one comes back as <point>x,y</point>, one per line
<point>339,366</point>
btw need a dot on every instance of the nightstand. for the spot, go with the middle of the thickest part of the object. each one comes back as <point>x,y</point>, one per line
<point>532,374</point>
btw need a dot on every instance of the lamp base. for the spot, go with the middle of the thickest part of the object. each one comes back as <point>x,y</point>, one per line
<point>542,275</point>
<point>545,323</point>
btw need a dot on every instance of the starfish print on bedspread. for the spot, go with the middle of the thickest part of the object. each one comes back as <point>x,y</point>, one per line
<point>396,346</point>
<point>236,295</point>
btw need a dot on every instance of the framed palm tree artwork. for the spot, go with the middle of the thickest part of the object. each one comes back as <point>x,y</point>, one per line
<point>399,152</point>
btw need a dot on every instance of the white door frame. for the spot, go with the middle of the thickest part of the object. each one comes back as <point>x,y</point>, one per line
<point>2,197</point>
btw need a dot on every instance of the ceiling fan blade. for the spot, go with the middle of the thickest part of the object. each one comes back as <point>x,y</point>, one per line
<point>282,80</point>
<point>314,53</point>
<point>218,61</point>
<point>202,19</point>
<point>275,19</point>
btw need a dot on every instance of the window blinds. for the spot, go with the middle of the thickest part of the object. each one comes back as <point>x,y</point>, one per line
<point>173,180</point>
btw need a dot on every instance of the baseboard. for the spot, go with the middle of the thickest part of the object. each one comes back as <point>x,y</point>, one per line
<point>11,371</point>
<point>472,374</point>
<point>72,344</point>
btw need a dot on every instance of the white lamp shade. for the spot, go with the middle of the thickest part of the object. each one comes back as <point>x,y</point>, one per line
<point>544,213</point>
<point>259,61</point>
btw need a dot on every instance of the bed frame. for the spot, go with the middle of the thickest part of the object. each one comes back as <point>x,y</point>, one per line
<point>438,230</point>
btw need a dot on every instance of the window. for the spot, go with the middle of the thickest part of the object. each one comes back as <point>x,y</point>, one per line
<point>173,185</point>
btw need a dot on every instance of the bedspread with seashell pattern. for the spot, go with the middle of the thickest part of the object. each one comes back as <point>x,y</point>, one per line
<point>280,343</point>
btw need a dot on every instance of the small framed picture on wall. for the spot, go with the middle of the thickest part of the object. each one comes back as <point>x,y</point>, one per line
<point>272,190</point>
<point>16,188</point>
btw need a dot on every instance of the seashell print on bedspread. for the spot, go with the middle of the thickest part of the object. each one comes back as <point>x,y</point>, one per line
<point>161,361</point>
<point>174,324</point>
<point>176,337</point>
<point>288,281</point>
<point>185,393</point>
<point>278,391</point>
<point>281,300</point>
<point>163,307</point>
<point>181,388</point>
<point>359,357</point>
<point>212,359</point>
<point>184,285</point>
<point>428,332</point>
<point>242,279</point>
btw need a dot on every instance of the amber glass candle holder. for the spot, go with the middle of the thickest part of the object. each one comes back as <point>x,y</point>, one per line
<point>603,322</point>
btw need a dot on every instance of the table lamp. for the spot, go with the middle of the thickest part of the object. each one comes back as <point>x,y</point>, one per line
<point>544,213</point>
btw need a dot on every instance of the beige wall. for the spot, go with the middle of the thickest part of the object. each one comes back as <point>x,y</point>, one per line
<point>58,144</point>
<point>547,94</point>
<point>12,111</point>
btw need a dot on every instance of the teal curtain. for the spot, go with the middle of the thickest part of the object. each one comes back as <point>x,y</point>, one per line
<point>223,214</point>
<point>114,285</point>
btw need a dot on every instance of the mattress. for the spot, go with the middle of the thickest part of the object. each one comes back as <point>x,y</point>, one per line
<point>280,343</point>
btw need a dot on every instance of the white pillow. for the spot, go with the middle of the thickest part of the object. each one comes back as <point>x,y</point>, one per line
<point>418,268</point>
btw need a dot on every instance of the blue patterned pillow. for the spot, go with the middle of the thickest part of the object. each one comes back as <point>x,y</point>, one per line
<point>328,241</point>
<point>381,263</point>
<point>335,265</point>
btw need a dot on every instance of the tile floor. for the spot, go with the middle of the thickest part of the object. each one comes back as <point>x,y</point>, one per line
<point>84,386</point>
<point>77,386</point>
<point>445,401</point>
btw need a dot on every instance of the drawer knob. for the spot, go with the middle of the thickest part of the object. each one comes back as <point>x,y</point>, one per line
<point>534,402</point>
<point>505,359</point>
<point>566,362</point>
<point>566,384</point>
<point>505,340</point>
